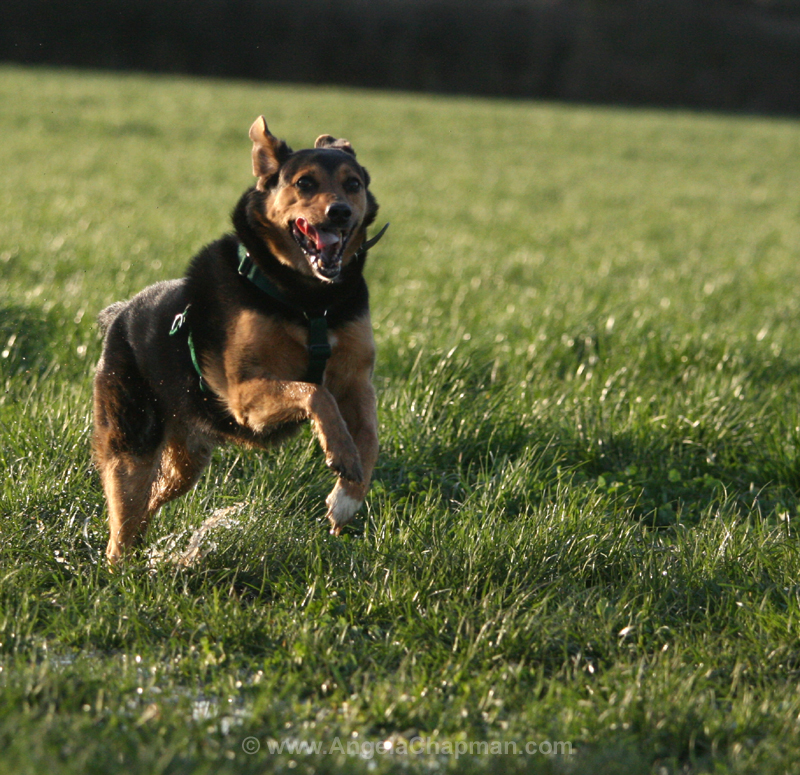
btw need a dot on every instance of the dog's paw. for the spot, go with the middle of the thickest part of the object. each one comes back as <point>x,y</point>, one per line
<point>347,464</point>
<point>341,508</point>
<point>113,554</point>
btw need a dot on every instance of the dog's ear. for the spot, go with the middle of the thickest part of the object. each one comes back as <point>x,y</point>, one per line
<point>328,141</point>
<point>269,153</point>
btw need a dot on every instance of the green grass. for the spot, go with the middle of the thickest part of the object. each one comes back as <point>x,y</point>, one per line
<point>583,524</point>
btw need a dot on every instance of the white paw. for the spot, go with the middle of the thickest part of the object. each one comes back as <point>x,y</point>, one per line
<point>341,508</point>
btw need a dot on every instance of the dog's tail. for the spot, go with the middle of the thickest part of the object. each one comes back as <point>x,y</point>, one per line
<point>109,315</point>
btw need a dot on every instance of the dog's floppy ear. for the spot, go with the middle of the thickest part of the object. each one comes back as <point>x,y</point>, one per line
<point>268,152</point>
<point>328,141</point>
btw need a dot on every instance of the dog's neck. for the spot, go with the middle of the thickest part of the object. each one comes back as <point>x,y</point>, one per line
<point>308,294</point>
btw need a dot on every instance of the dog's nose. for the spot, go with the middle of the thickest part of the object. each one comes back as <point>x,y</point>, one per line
<point>339,212</point>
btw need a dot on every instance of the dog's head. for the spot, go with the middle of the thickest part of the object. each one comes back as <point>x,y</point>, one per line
<point>312,206</point>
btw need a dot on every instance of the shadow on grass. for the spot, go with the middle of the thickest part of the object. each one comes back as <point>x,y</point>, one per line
<point>451,427</point>
<point>27,341</point>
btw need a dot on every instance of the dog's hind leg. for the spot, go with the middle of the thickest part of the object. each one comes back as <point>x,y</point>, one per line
<point>127,481</point>
<point>141,470</point>
<point>128,437</point>
<point>182,461</point>
<point>137,486</point>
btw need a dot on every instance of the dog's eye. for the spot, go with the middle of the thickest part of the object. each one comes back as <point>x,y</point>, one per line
<point>305,184</point>
<point>352,185</point>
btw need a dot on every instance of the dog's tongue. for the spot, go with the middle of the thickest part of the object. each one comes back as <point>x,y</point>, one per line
<point>321,239</point>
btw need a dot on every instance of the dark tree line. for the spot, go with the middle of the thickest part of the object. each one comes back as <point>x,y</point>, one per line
<point>725,54</point>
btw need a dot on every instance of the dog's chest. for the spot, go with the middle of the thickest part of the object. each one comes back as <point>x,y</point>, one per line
<point>271,347</point>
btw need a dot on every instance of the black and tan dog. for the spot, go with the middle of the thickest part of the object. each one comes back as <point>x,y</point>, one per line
<point>269,327</point>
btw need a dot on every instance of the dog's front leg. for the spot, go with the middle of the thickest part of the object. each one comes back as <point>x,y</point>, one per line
<point>262,404</point>
<point>358,407</point>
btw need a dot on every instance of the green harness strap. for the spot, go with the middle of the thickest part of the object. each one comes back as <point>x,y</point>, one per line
<point>319,348</point>
<point>180,319</point>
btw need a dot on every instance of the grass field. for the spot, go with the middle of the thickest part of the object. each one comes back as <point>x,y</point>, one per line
<point>582,532</point>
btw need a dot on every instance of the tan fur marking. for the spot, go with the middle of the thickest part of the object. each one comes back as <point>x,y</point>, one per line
<point>127,481</point>
<point>263,364</point>
<point>180,466</point>
<point>259,345</point>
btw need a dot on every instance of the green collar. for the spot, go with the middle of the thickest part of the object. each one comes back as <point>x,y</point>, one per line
<point>248,269</point>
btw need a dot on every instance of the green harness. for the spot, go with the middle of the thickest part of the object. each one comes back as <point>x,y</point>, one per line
<point>180,319</point>
<point>319,348</point>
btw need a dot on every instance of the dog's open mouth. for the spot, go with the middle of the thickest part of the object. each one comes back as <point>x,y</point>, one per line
<point>324,248</point>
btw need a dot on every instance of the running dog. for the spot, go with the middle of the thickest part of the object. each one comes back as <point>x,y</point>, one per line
<point>268,328</point>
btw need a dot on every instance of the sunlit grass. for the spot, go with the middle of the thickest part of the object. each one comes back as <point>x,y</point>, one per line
<point>582,526</point>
